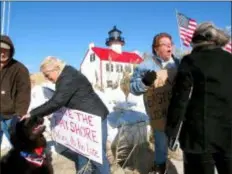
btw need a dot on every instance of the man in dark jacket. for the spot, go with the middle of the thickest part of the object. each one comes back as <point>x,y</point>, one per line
<point>74,91</point>
<point>15,86</point>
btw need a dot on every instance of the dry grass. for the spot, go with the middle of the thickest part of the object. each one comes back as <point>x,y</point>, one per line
<point>125,84</point>
<point>138,157</point>
<point>129,147</point>
<point>37,78</point>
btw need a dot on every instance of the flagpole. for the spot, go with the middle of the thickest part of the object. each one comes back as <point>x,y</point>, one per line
<point>8,19</point>
<point>3,17</point>
<point>181,46</point>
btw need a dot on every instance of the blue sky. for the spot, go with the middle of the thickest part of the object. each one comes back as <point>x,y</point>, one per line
<point>65,29</point>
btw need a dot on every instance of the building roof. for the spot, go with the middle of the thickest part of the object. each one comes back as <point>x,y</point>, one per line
<point>124,57</point>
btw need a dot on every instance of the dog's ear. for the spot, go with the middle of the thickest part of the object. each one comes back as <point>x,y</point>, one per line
<point>12,127</point>
<point>31,121</point>
<point>16,132</point>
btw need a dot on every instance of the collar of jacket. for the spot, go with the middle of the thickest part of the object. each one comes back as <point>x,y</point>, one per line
<point>205,47</point>
<point>9,63</point>
<point>62,72</point>
<point>176,60</point>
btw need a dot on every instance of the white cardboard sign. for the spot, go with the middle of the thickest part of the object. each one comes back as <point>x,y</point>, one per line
<point>79,131</point>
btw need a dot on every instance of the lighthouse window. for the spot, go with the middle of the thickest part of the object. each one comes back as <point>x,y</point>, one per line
<point>117,68</point>
<point>121,68</point>
<point>128,68</point>
<point>107,67</point>
<point>115,34</point>
<point>109,83</point>
<point>92,57</point>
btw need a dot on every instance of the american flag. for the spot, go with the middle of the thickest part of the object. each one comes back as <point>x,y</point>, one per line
<point>228,46</point>
<point>187,26</point>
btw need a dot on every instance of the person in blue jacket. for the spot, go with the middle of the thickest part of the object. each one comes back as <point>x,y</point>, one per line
<point>143,77</point>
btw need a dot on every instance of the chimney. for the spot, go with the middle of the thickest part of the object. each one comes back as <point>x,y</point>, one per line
<point>91,45</point>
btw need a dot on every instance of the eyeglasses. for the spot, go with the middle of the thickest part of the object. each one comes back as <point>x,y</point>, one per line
<point>47,73</point>
<point>165,44</point>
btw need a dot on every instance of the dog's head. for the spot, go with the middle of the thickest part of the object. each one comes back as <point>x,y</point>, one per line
<point>28,135</point>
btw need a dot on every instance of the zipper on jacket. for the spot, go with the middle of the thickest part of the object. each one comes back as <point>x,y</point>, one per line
<point>205,116</point>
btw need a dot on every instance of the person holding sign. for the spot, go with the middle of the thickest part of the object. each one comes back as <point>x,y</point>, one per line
<point>74,91</point>
<point>150,79</point>
<point>202,104</point>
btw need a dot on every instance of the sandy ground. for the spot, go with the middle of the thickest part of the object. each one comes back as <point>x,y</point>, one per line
<point>142,159</point>
<point>64,164</point>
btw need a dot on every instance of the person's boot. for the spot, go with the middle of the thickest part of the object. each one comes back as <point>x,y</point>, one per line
<point>159,169</point>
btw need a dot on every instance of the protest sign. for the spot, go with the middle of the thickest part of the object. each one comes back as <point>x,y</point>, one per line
<point>158,96</point>
<point>79,131</point>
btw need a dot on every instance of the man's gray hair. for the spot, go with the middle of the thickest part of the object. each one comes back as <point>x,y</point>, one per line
<point>206,33</point>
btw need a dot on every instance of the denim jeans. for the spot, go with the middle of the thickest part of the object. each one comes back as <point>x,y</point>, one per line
<point>86,166</point>
<point>4,128</point>
<point>161,148</point>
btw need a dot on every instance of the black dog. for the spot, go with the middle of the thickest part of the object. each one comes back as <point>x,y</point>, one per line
<point>27,155</point>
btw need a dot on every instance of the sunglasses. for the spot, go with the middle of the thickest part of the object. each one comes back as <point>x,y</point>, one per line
<point>4,50</point>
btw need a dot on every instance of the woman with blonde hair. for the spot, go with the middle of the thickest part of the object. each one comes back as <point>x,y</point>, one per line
<point>74,91</point>
<point>202,101</point>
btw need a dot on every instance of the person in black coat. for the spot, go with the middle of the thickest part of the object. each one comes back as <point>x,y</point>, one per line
<point>74,91</point>
<point>202,101</point>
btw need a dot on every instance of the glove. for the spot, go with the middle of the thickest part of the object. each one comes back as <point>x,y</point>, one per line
<point>149,78</point>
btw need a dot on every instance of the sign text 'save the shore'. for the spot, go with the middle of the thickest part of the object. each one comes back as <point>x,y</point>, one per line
<point>79,131</point>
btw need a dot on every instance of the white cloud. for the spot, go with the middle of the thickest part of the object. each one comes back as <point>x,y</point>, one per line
<point>228,29</point>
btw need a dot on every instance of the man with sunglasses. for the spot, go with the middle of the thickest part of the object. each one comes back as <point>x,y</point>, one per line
<point>15,86</point>
<point>143,78</point>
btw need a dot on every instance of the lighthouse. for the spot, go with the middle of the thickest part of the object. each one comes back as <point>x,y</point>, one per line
<point>115,41</point>
<point>104,67</point>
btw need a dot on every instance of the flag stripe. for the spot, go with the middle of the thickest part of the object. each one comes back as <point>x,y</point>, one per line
<point>187,31</point>
<point>186,34</point>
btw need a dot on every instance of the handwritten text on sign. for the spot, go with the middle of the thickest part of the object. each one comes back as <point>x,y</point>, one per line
<point>158,96</point>
<point>79,131</point>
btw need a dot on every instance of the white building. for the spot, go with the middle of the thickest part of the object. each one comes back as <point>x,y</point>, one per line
<point>105,66</point>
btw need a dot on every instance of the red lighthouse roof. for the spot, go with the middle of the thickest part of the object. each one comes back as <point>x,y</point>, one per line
<point>124,57</point>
